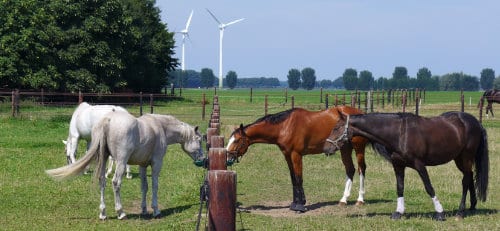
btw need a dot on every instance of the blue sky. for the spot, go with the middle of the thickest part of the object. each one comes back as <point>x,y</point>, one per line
<point>331,35</point>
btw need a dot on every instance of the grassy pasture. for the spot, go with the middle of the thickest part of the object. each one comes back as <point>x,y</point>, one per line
<point>31,143</point>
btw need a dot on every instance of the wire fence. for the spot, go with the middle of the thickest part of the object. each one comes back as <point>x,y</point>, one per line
<point>193,103</point>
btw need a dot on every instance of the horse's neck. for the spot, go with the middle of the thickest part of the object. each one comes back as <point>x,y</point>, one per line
<point>262,133</point>
<point>371,129</point>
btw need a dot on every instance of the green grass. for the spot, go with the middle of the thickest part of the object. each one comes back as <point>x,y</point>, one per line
<point>31,143</point>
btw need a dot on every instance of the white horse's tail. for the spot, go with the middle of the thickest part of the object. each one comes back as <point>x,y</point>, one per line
<point>97,151</point>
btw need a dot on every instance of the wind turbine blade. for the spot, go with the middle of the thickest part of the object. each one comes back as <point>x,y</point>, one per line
<point>189,21</point>
<point>213,16</point>
<point>233,22</point>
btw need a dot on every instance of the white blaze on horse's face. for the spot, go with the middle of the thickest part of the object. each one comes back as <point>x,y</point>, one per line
<point>230,142</point>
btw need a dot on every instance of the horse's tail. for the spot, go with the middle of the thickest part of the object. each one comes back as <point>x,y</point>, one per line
<point>103,128</point>
<point>94,152</point>
<point>482,166</point>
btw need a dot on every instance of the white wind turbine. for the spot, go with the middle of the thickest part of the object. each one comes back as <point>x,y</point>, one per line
<point>222,26</point>
<point>185,33</point>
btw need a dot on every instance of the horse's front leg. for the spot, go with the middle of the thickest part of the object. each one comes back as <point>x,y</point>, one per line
<point>117,182</point>
<point>144,189</point>
<point>349,171</point>
<point>294,161</point>
<point>400,187</point>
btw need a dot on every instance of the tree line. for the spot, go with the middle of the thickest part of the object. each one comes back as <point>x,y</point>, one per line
<point>350,80</point>
<point>91,46</point>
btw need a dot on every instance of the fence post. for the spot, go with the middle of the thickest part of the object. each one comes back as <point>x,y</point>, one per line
<point>203,107</point>
<point>293,102</point>
<point>151,102</point>
<point>481,103</point>
<point>140,103</point>
<point>462,100</point>
<point>251,94</point>
<point>265,105</point>
<point>321,96</point>
<point>222,200</point>
<point>326,101</point>
<point>15,103</point>
<point>80,97</point>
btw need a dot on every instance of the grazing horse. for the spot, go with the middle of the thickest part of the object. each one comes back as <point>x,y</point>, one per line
<point>491,96</point>
<point>298,132</point>
<point>139,141</point>
<point>408,140</point>
<point>82,121</point>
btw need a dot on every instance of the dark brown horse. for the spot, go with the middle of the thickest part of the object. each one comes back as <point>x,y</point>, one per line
<point>298,132</point>
<point>407,140</point>
<point>491,96</point>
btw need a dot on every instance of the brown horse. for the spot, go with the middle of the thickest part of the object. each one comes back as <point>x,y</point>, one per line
<point>298,132</point>
<point>491,96</point>
<point>407,140</point>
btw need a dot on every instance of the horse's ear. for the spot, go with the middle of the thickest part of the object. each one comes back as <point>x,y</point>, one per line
<point>196,129</point>
<point>64,141</point>
<point>242,131</point>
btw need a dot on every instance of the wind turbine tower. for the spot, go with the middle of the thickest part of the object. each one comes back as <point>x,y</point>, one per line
<point>222,26</point>
<point>185,33</point>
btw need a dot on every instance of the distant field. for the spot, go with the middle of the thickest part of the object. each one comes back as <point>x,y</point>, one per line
<point>31,143</point>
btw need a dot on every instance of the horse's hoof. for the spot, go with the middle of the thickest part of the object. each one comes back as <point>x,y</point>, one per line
<point>299,208</point>
<point>129,176</point>
<point>396,216</point>
<point>342,204</point>
<point>439,216</point>
<point>157,216</point>
<point>360,203</point>
<point>122,216</point>
<point>102,217</point>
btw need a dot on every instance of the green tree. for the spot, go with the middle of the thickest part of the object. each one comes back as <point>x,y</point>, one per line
<point>424,76</point>
<point>365,81</point>
<point>293,79</point>
<point>400,78</point>
<point>350,79</point>
<point>232,79</point>
<point>496,83</point>
<point>97,46</point>
<point>487,78</point>
<point>325,83</point>
<point>308,78</point>
<point>207,78</point>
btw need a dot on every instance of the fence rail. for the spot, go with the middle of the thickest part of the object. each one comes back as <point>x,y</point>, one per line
<point>399,100</point>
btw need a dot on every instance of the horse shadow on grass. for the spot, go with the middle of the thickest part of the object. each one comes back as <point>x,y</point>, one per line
<point>430,215</point>
<point>164,213</point>
<point>310,207</point>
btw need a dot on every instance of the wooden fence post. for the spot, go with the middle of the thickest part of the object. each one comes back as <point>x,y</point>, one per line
<point>265,105</point>
<point>217,158</point>
<point>140,103</point>
<point>293,101</point>
<point>203,102</point>
<point>326,101</point>
<point>151,102</point>
<point>222,200</point>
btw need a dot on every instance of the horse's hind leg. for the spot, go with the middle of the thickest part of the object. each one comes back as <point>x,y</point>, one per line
<point>110,166</point>
<point>117,182</point>
<point>360,157</point>
<point>102,184</point>
<point>467,185</point>
<point>424,175</point>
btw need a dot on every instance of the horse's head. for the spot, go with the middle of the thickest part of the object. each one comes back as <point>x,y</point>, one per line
<point>339,135</point>
<point>192,144</point>
<point>237,145</point>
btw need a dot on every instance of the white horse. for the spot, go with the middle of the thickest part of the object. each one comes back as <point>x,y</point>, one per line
<point>139,141</point>
<point>80,127</point>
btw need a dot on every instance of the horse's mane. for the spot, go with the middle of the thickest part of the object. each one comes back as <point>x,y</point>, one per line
<point>275,118</point>
<point>186,132</point>
<point>400,115</point>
